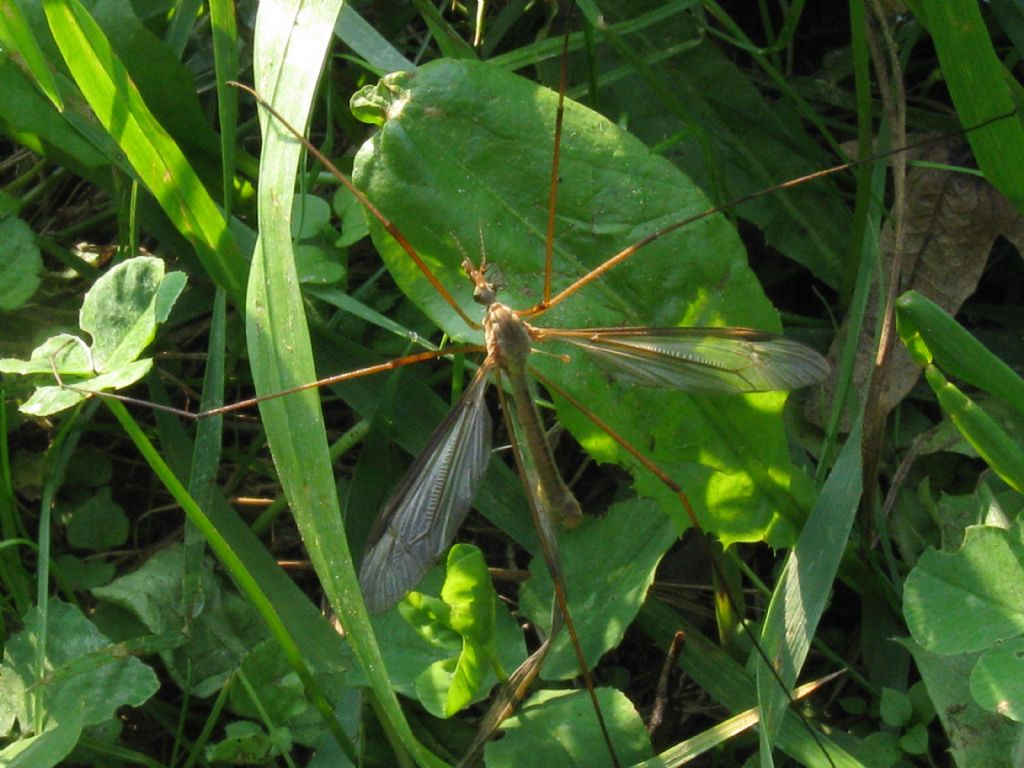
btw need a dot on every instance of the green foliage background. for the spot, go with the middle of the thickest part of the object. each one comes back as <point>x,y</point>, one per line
<point>121,130</point>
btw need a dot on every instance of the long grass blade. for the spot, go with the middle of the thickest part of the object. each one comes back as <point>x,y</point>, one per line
<point>422,517</point>
<point>160,164</point>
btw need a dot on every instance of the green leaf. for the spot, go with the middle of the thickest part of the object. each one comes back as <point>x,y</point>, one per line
<point>895,708</point>
<point>213,642</point>
<point>44,749</point>
<point>98,523</point>
<point>997,680</point>
<point>358,35</point>
<point>50,400</point>
<point>431,618</point>
<point>440,169</point>
<point>310,216</point>
<point>983,580</point>
<point>39,125</point>
<point>82,574</point>
<point>915,740</point>
<point>316,267</point>
<point>247,743</point>
<point>122,309</point>
<point>121,312</point>
<point>20,263</point>
<point>16,35</point>
<point>627,542</point>
<point>532,738</point>
<point>278,688</point>
<point>67,353</point>
<point>999,450</point>
<point>931,335</point>
<point>982,738</point>
<point>980,86</point>
<point>353,223</point>
<point>417,634</point>
<point>882,749</point>
<point>957,352</point>
<point>446,687</point>
<point>464,629</point>
<point>469,593</point>
<point>924,707</point>
<point>86,676</point>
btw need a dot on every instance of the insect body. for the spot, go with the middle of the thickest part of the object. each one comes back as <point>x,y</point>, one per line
<point>421,519</point>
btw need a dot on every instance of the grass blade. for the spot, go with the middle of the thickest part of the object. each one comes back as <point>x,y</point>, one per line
<point>978,83</point>
<point>806,584</point>
<point>291,43</point>
<point>155,157</point>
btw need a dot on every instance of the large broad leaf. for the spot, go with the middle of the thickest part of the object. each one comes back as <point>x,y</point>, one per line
<point>628,542</point>
<point>463,161</point>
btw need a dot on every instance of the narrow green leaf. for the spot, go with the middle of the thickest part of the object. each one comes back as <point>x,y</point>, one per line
<point>17,37</point>
<point>805,587</point>
<point>448,40</point>
<point>225,59</point>
<point>954,350</point>
<point>999,450</point>
<point>158,161</point>
<point>366,41</point>
<point>34,121</point>
<point>978,83</point>
<point>291,43</point>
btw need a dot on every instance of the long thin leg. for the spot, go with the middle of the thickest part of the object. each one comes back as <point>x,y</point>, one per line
<point>389,365</point>
<point>548,302</point>
<point>385,222</point>
<point>546,524</point>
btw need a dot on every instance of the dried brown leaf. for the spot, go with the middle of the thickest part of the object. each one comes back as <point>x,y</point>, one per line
<point>952,221</point>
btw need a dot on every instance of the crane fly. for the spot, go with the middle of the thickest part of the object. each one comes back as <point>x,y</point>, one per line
<point>423,516</point>
<point>419,522</point>
<point>701,360</point>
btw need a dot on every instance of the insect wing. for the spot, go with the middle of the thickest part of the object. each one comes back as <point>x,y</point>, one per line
<point>421,518</point>
<point>706,360</point>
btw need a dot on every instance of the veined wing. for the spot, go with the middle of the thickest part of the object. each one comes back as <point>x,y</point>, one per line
<point>421,518</point>
<point>698,359</point>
